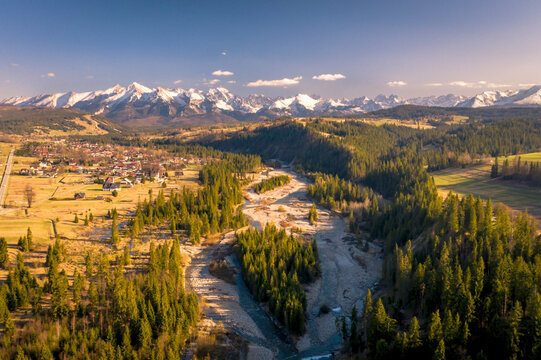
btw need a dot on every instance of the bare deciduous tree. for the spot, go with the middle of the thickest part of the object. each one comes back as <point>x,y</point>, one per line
<point>29,195</point>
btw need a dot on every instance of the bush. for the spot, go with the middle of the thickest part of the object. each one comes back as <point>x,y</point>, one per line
<point>324,309</point>
<point>115,193</point>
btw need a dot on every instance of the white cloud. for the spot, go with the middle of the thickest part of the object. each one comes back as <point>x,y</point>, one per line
<point>51,75</point>
<point>328,77</point>
<point>397,83</point>
<point>460,83</point>
<point>176,82</point>
<point>434,84</point>
<point>222,73</point>
<point>224,53</point>
<point>231,82</point>
<point>281,82</point>
<point>526,85</point>
<point>213,81</point>
<point>478,84</point>
<point>90,77</point>
<point>15,65</point>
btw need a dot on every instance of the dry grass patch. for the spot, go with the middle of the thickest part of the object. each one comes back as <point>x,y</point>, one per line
<point>221,345</point>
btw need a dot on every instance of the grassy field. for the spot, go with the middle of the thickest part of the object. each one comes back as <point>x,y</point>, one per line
<point>77,237</point>
<point>476,180</point>
<point>535,157</point>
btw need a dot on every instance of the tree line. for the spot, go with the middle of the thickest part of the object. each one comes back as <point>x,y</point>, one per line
<point>529,172</point>
<point>271,183</point>
<point>211,209</point>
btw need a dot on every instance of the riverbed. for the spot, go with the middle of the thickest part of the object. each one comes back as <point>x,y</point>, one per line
<point>346,274</point>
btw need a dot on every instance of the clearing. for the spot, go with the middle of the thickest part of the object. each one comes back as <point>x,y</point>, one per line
<point>477,181</point>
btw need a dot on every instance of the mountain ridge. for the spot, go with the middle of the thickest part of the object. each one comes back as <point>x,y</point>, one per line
<point>139,105</point>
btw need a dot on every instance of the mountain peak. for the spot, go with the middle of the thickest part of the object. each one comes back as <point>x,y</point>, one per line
<point>122,103</point>
<point>141,89</point>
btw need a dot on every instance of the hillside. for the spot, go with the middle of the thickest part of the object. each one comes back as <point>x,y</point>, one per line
<point>416,112</point>
<point>45,121</point>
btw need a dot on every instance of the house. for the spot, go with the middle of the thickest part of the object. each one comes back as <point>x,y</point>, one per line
<point>112,186</point>
<point>80,195</point>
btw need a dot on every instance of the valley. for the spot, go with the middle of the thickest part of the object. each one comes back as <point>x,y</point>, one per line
<point>233,306</point>
<point>270,180</point>
<point>324,257</point>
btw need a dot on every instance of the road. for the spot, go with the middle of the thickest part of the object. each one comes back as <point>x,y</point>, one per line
<point>5,179</point>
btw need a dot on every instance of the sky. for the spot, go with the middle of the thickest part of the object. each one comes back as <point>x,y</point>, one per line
<point>278,48</point>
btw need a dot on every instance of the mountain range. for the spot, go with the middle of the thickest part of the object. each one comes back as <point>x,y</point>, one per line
<point>138,105</point>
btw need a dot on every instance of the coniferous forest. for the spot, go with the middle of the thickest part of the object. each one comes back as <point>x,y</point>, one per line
<point>106,313</point>
<point>271,183</point>
<point>274,266</point>
<point>461,276</point>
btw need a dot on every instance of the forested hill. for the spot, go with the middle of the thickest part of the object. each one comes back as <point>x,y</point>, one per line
<point>45,121</point>
<point>415,112</point>
<point>461,278</point>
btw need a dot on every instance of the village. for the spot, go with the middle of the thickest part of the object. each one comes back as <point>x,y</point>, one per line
<point>113,167</point>
<point>52,183</point>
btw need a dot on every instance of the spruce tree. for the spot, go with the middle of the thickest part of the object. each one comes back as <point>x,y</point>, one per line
<point>4,255</point>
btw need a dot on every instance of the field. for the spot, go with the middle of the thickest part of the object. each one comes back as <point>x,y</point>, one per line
<point>477,181</point>
<point>535,157</point>
<point>54,208</point>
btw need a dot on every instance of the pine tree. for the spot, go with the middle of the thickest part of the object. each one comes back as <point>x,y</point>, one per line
<point>312,215</point>
<point>115,237</point>
<point>513,330</point>
<point>414,335</point>
<point>59,298</point>
<point>439,353</point>
<point>30,239</point>
<point>434,329</point>
<point>77,288</point>
<point>76,219</point>
<point>126,256</point>
<point>494,169</point>
<point>354,340</point>
<point>4,256</point>
<point>89,263</point>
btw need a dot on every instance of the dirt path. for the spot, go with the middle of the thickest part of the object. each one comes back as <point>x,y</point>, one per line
<point>347,272</point>
<point>5,178</point>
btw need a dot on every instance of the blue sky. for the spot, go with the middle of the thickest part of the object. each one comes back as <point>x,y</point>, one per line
<point>410,48</point>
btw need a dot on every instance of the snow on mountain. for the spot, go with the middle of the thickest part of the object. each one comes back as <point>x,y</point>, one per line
<point>488,98</point>
<point>137,101</point>
<point>449,100</point>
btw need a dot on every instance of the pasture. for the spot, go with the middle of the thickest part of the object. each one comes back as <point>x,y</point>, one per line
<point>477,181</point>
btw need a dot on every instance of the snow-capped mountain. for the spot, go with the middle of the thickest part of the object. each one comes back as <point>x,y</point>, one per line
<point>140,105</point>
<point>448,100</point>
